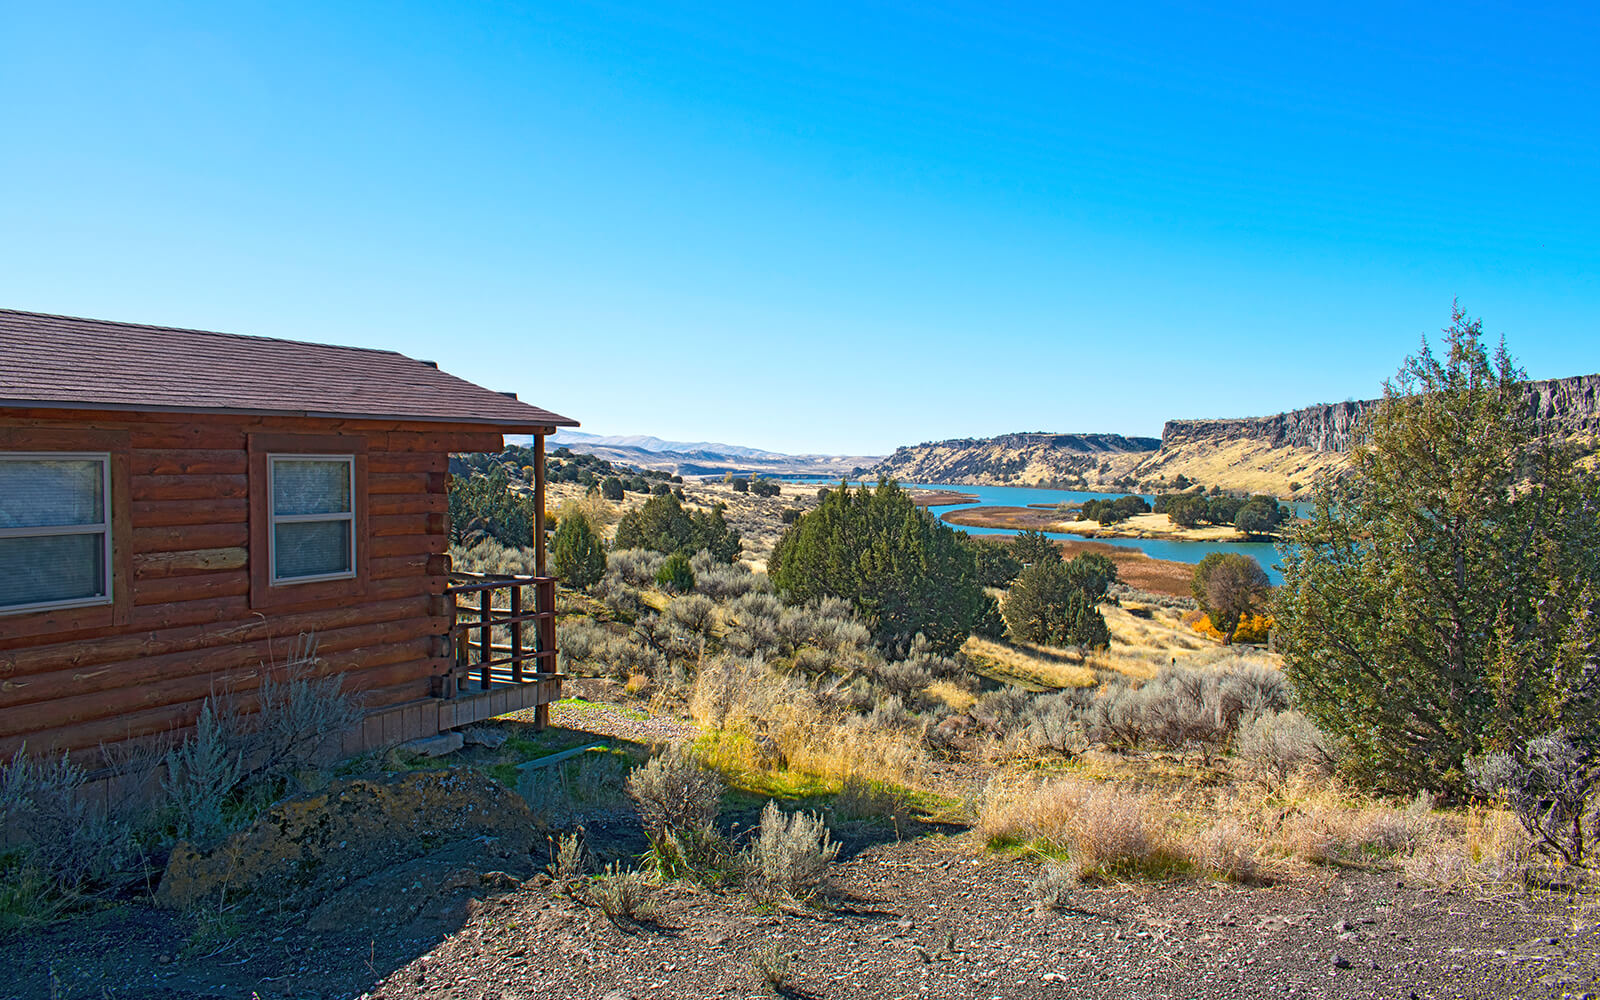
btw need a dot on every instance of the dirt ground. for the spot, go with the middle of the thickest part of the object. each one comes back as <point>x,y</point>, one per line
<point>916,910</point>
<point>926,916</point>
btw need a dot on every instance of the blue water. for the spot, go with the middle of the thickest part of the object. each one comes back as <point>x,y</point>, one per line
<point>1265,553</point>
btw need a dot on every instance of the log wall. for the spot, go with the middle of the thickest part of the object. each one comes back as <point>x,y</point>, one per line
<point>184,624</point>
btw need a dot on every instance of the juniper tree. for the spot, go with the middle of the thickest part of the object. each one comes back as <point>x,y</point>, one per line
<point>1443,601</point>
<point>905,571</point>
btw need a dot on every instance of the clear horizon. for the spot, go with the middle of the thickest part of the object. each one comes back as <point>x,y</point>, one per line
<point>827,230</point>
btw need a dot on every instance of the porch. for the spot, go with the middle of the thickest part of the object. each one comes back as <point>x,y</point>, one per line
<point>503,648</point>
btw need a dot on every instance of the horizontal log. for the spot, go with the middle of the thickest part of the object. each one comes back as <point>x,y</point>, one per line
<point>171,720</point>
<point>208,487</point>
<point>441,441</point>
<point>378,698</point>
<point>160,641</point>
<point>168,513</point>
<point>387,462</point>
<point>391,483</point>
<point>419,503</point>
<point>128,674</point>
<point>77,710</point>
<point>183,538</point>
<point>171,590</point>
<point>405,545</point>
<point>156,565</point>
<point>205,435</point>
<point>22,436</point>
<point>188,462</point>
<point>387,525</point>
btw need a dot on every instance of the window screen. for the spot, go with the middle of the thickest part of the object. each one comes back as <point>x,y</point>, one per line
<point>313,517</point>
<point>55,531</point>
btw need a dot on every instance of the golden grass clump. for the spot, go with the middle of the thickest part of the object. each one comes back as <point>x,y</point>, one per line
<point>1106,832</point>
<point>773,722</point>
<point>954,695</point>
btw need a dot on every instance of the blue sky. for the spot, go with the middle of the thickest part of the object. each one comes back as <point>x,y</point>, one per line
<point>820,228</point>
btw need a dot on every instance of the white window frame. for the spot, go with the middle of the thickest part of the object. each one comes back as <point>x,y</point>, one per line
<point>103,528</point>
<point>274,518</point>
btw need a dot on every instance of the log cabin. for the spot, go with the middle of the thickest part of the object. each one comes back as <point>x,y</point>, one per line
<point>179,508</point>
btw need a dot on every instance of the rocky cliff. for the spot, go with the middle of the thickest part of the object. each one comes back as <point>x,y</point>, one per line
<point>1017,459</point>
<point>1281,454</point>
<point>1569,407</point>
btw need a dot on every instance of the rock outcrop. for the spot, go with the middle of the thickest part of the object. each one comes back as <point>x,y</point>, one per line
<point>1569,407</point>
<point>1025,458</point>
<point>1282,454</point>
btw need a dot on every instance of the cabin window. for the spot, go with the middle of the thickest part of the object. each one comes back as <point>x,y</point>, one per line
<point>313,522</point>
<point>55,531</point>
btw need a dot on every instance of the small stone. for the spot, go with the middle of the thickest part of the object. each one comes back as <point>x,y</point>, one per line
<point>1340,962</point>
<point>436,746</point>
<point>481,736</point>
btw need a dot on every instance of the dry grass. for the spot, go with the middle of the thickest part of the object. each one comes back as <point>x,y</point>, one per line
<point>954,695</point>
<point>1036,667</point>
<point>1107,832</point>
<point>1116,817</point>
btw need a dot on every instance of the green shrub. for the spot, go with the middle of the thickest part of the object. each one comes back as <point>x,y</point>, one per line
<point>611,488</point>
<point>675,574</point>
<point>764,487</point>
<point>485,505</point>
<point>996,560</point>
<point>578,553</point>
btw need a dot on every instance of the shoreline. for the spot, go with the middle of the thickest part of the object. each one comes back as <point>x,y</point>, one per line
<point>940,498</point>
<point>1151,526</point>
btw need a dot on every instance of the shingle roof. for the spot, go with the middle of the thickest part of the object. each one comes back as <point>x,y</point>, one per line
<point>63,361</point>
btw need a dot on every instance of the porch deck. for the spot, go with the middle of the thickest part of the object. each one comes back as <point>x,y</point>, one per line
<point>498,667</point>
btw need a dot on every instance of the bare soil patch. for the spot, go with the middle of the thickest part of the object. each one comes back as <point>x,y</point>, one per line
<point>922,917</point>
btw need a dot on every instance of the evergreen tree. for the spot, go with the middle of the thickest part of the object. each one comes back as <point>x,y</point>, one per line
<point>1031,547</point>
<point>1053,603</point>
<point>1444,600</point>
<point>905,571</point>
<point>662,524</point>
<point>578,553</point>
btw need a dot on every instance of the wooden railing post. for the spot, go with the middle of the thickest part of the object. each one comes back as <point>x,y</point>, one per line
<point>516,634</point>
<point>485,635</point>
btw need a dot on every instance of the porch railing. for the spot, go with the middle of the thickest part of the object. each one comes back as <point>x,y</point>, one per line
<point>490,607</point>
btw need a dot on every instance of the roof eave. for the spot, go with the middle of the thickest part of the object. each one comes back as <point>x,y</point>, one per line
<point>522,425</point>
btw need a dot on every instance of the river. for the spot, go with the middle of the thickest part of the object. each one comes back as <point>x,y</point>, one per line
<point>1265,553</point>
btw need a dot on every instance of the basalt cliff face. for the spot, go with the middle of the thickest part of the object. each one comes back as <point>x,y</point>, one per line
<point>1282,454</point>
<point>1569,407</point>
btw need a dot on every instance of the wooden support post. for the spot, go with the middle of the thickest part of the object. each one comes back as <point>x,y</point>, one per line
<point>538,504</point>
<point>544,602</point>
<point>516,634</point>
<point>485,634</point>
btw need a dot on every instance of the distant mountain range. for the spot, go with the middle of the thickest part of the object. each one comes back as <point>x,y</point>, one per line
<point>707,458</point>
<point>579,441</point>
